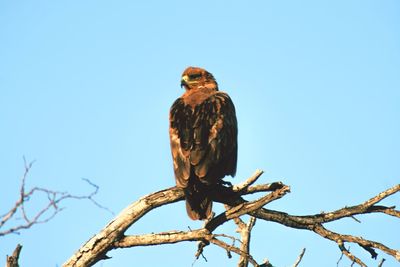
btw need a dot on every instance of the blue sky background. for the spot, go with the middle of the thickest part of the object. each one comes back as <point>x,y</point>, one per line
<point>86,86</point>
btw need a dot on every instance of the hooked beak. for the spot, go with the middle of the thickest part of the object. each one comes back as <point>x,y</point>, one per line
<point>184,81</point>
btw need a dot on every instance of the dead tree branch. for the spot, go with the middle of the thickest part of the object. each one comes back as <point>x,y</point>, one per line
<point>245,233</point>
<point>381,262</point>
<point>112,235</point>
<point>236,250</point>
<point>44,214</point>
<point>299,258</point>
<point>12,261</point>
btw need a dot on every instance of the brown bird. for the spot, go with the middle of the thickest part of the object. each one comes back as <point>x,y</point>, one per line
<point>203,135</point>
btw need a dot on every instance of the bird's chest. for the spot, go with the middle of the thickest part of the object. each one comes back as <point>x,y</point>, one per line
<point>195,98</point>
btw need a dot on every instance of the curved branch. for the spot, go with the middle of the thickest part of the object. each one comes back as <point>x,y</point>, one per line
<point>368,245</point>
<point>96,248</point>
<point>112,236</point>
<point>47,212</point>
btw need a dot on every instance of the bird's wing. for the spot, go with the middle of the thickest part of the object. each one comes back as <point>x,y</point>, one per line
<point>214,150</point>
<point>180,132</point>
<point>204,139</point>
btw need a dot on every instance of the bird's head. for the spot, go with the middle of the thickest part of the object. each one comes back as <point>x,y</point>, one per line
<point>194,77</point>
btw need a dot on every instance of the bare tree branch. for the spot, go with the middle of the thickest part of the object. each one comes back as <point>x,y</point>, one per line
<point>234,249</point>
<point>246,183</point>
<point>97,247</point>
<point>314,223</point>
<point>245,232</point>
<point>12,261</point>
<point>381,262</point>
<point>365,244</point>
<point>299,258</point>
<point>349,255</point>
<point>44,214</point>
<point>112,236</point>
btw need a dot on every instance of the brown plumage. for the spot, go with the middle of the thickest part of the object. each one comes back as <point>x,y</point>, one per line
<point>203,134</point>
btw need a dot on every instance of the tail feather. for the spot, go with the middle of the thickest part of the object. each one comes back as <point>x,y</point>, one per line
<point>198,204</point>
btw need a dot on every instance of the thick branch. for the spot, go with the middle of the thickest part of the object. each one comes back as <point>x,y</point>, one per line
<point>162,238</point>
<point>308,222</point>
<point>246,208</point>
<point>245,233</point>
<point>112,236</point>
<point>314,223</point>
<point>97,247</point>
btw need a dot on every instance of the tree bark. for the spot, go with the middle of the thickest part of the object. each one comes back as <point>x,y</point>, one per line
<point>112,236</point>
<point>12,261</point>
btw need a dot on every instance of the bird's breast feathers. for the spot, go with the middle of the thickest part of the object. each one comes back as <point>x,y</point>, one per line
<point>194,98</point>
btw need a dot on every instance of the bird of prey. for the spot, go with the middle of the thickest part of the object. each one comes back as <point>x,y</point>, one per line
<point>203,136</point>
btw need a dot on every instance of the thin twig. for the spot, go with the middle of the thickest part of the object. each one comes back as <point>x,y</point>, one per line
<point>47,212</point>
<point>234,249</point>
<point>299,258</point>
<point>381,262</point>
<point>349,255</point>
<point>368,245</point>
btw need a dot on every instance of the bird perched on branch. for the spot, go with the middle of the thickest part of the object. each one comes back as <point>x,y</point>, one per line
<point>203,135</point>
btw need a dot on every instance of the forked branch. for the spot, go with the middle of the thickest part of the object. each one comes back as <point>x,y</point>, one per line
<point>9,224</point>
<point>12,261</point>
<point>112,236</point>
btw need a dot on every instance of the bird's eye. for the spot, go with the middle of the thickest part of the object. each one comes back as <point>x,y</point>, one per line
<point>195,76</point>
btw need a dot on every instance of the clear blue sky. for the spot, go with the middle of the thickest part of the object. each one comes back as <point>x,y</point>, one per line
<point>86,86</point>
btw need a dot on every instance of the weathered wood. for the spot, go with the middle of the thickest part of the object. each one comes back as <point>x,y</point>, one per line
<point>97,247</point>
<point>112,236</point>
<point>12,261</point>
